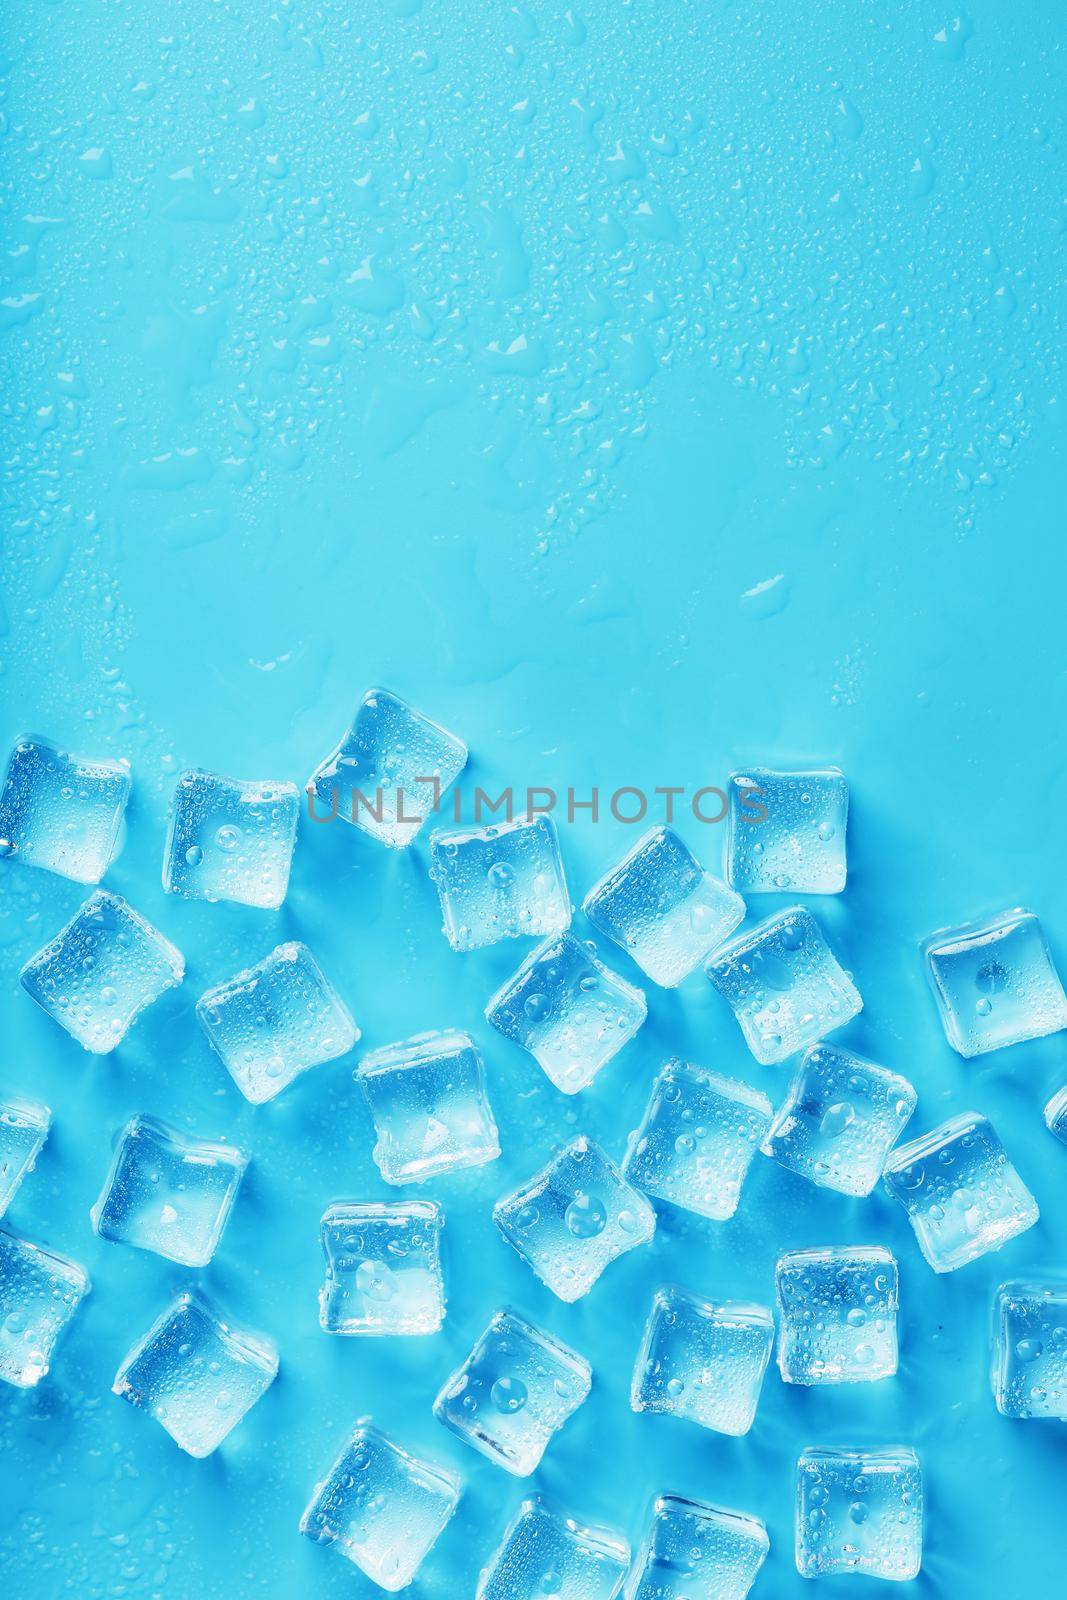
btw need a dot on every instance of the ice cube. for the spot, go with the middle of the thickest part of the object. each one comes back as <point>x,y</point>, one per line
<point>427,1097</point>
<point>859,1511</point>
<point>660,905</point>
<point>23,1131</point>
<point>546,1555</point>
<point>995,983</point>
<point>62,812</point>
<point>1056,1114</point>
<point>697,1139</point>
<point>517,1387</point>
<point>837,1315</point>
<point>101,971</point>
<point>389,771</point>
<point>383,1267</point>
<point>962,1194</point>
<point>785,831</point>
<point>840,1119</point>
<point>275,1020</point>
<point>703,1361</point>
<point>573,1218</point>
<point>196,1373</point>
<point>1029,1367</point>
<point>500,882</point>
<point>696,1551</point>
<point>568,1010</point>
<point>381,1508</point>
<point>39,1293</point>
<point>168,1193</point>
<point>230,840</point>
<point>784,985</point>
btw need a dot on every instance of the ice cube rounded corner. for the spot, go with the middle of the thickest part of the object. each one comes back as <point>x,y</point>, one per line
<point>1056,1114</point>
<point>995,982</point>
<point>101,971</point>
<point>230,839</point>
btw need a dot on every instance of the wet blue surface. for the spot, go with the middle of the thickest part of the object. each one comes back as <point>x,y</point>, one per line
<point>644,392</point>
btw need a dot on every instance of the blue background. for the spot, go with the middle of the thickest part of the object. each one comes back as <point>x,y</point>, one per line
<point>498,355</point>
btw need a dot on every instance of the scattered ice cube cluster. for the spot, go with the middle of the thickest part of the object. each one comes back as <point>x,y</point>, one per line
<point>701,1359</point>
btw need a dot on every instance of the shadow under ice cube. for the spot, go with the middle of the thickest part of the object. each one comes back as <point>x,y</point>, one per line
<point>517,1387</point>
<point>859,1511</point>
<point>573,1218</point>
<point>570,1011</point>
<point>389,772</point>
<point>799,846</point>
<point>697,1139</point>
<point>660,905</point>
<point>703,1361</point>
<point>995,983</point>
<point>546,1555</point>
<point>196,1374</point>
<point>840,1120</point>
<point>837,1315</point>
<point>23,1131</point>
<point>230,840</point>
<point>431,1115</point>
<point>962,1194</point>
<point>381,1508</point>
<point>501,882</point>
<point>273,1021</point>
<point>101,971</point>
<point>696,1551</point>
<point>784,985</point>
<point>383,1268</point>
<point>167,1193</point>
<point>1029,1367</point>
<point>39,1293</point>
<point>62,812</point>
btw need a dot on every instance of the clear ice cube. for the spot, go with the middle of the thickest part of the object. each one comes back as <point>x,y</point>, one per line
<point>546,1555</point>
<point>517,1387</point>
<point>101,971</point>
<point>840,1119</point>
<point>431,1115</point>
<point>573,1218</point>
<point>837,1315</point>
<point>703,1361</point>
<point>995,983</point>
<point>230,840</point>
<point>389,772</point>
<point>696,1551</point>
<point>23,1130</point>
<point>1029,1367</point>
<point>196,1373</point>
<point>39,1293</point>
<point>570,1011</point>
<point>962,1194</point>
<point>275,1020</point>
<point>501,882</point>
<point>697,1139</point>
<point>660,905</point>
<point>167,1193</point>
<point>859,1511</point>
<point>784,985</point>
<point>62,812</point>
<point>383,1267</point>
<point>785,831</point>
<point>1056,1114</point>
<point>381,1508</point>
